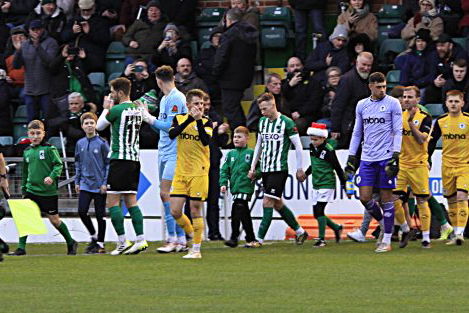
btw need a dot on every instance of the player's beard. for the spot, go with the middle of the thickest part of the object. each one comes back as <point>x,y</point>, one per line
<point>363,75</point>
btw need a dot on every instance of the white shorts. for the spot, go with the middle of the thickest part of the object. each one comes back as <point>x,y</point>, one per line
<point>322,195</point>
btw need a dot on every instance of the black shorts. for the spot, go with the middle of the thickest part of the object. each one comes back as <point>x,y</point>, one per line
<point>47,204</point>
<point>123,176</point>
<point>274,184</point>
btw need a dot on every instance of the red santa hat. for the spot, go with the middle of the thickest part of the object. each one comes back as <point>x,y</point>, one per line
<point>318,129</point>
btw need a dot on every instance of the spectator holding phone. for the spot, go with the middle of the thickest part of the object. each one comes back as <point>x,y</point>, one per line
<point>172,48</point>
<point>145,34</point>
<point>359,20</point>
<point>142,81</point>
<point>89,31</point>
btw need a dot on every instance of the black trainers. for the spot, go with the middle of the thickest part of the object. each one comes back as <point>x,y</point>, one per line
<point>231,243</point>
<point>320,243</point>
<point>18,252</point>
<point>1,256</point>
<point>4,248</point>
<point>300,239</point>
<point>72,249</point>
<point>405,236</point>
<point>338,233</point>
<point>92,246</point>
<point>426,245</point>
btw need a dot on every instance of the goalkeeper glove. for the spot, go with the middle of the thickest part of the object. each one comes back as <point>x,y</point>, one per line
<point>392,166</point>
<point>351,167</point>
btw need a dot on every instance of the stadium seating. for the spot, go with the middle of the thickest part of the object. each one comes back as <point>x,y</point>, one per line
<point>383,31</point>
<point>116,48</point>
<point>6,140</point>
<point>114,76</point>
<point>276,27</point>
<point>56,142</point>
<point>115,57</point>
<point>435,109</point>
<point>258,90</point>
<point>21,115</point>
<point>20,131</point>
<point>461,41</point>
<point>392,78</point>
<point>97,79</point>
<point>390,14</point>
<point>395,45</point>
<point>245,105</point>
<point>206,21</point>
<point>349,221</point>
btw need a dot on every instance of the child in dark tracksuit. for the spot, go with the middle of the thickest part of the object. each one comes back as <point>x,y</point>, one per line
<point>92,165</point>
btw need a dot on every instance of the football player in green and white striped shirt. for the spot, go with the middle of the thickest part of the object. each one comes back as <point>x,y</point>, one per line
<point>275,135</point>
<point>125,119</point>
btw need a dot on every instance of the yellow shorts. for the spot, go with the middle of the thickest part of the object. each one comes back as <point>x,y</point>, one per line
<point>454,179</point>
<point>194,187</point>
<point>416,178</point>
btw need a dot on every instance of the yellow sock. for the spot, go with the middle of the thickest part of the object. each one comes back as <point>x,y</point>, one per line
<point>198,229</point>
<point>453,213</point>
<point>425,215</point>
<point>185,224</point>
<point>399,213</point>
<point>462,214</point>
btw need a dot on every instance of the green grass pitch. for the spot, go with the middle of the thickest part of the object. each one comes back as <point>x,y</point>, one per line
<point>279,277</point>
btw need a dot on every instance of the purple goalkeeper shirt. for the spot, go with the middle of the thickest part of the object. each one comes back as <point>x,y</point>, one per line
<point>379,123</point>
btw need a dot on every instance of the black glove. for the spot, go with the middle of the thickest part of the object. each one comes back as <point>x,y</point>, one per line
<point>351,167</point>
<point>392,167</point>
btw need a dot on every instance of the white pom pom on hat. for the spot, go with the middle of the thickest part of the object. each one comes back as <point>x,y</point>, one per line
<point>318,129</point>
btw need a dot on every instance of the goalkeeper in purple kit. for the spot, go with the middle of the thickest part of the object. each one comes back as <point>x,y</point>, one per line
<point>379,122</point>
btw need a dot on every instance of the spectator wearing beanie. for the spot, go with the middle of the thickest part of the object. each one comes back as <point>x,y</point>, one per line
<point>172,48</point>
<point>36,54</point>
<point>52,17</point>
<point>416,66</point>
<point>145,34</point>
<point>89,31</point>
<point>426,18</point>
<point>330,53</point>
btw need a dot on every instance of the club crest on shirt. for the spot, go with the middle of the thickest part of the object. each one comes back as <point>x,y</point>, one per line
<point>382,108</point>
<point>174,109</point>
<point>247,158</point>
<point>95,151</point>
<point>416,122</point>
<point>462,125</point>
<point>42,155</point>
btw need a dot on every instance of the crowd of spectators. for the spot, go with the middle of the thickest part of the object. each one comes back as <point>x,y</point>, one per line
<point>49,47</point>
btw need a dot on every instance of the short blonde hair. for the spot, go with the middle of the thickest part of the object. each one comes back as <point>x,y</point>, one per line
<point>36,124</point>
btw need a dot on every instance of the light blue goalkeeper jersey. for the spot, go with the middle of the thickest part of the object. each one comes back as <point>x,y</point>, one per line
<point>379,124</point>
<point>170,105</point>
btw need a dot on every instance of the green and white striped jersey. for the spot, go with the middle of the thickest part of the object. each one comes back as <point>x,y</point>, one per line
<point>126,120</point>
<point>275,136</point>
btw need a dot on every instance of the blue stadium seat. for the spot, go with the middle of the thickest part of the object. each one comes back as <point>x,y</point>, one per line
<point>114,66</point>
<point>56,142</point>
<point>435,109</point>
<point>390,14</point>
<point>21,115</point>
<point>116,47</point>
<point>114,76</point>
<point>461,41</point>
<point>394,45</point>
<point>20,131</point>
<point>392,78</point>
<point>6,140</point>
<point>206,21</point>
<point>276,27</point>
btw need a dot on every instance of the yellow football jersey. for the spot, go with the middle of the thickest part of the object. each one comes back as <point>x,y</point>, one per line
<point>455,136</point>
<point>414,154</point>
<point>193,157</point>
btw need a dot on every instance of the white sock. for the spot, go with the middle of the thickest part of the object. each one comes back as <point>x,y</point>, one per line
<point>426,236</point>
<point>300,230</point>
<point>101,244</point>
<point>140,238</point>
<point>260,240</point>
<point>182,240</point>
<point>405,227</point>
<point>171,239</point>
<point>121,238</point>
<point>387,238</point>
<point>196,247</point>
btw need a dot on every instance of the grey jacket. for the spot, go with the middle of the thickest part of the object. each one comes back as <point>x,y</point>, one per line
<point>36,62</point>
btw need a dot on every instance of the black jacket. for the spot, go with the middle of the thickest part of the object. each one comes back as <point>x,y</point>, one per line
<point>305,97</point>
<point>61,76</point>
<point>139,88</point>
<point>20,10</point>
<point>204,68</point>
<point>351,89</point>
<point>95,42</point>
<point>316,60</point>
<point>218,141</point>
<point>54,24</point>
<point>164,58</point>
<point>236,56</point>
<point>307,4</point>
<point>443,66</point>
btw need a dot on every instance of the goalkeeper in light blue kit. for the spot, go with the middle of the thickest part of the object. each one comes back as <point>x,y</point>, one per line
<point>172,103</point>
<point>379,122</point>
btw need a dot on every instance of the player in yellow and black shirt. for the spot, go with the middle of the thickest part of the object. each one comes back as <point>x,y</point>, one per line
<point>413,166</point>
<point>193,132</point>
<point>453,127</point>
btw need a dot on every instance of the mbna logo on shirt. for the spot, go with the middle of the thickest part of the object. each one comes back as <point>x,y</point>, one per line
<point>374,120</point>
